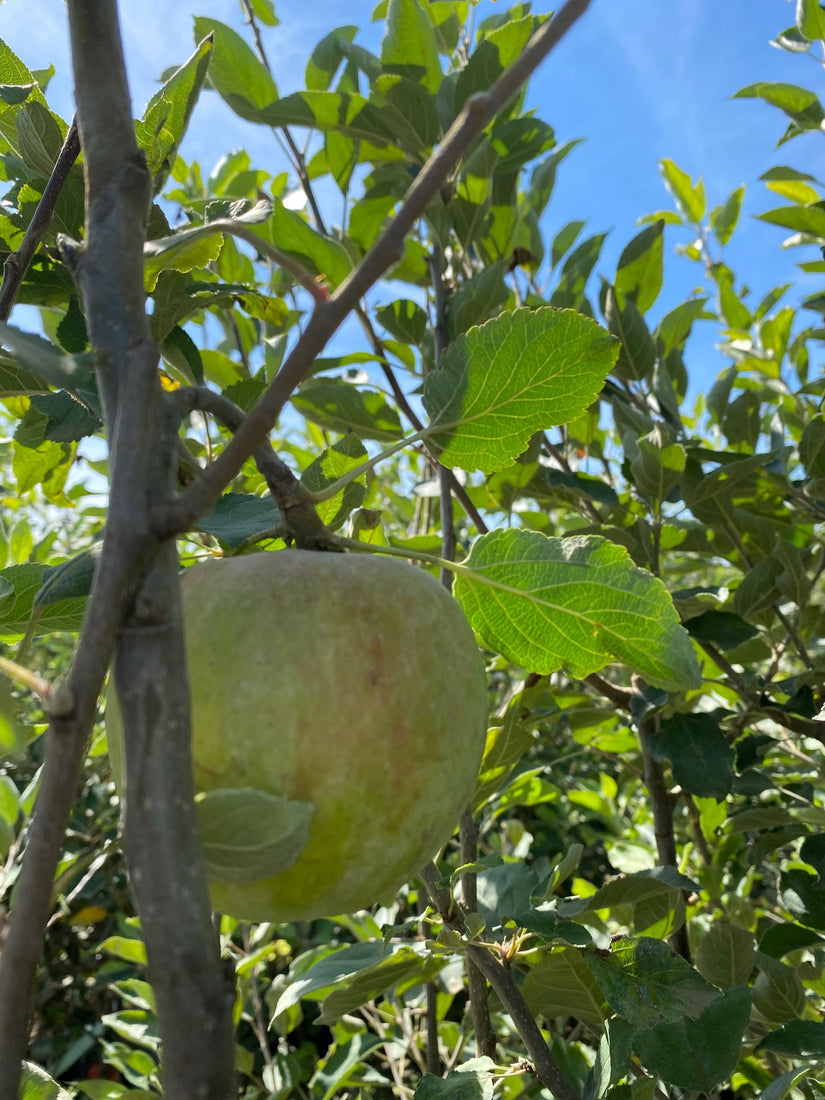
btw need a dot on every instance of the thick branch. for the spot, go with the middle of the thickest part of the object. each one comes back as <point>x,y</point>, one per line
<point>476,114</point>
<point>17,264</point>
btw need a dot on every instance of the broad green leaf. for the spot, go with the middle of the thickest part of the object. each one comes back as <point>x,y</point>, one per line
<point>344,455</point>
<point>689,196</point>
<point>473,1080</point>
<point>167,114</point>
<point>404,319</point>
<point>655,465</point>
<point>637,357</point>
<point>327,57</point>
<point>67,418</point>
<point>800,104</point>
<point>36,1084</point>
<point>44,359</point>
<point>565,239</point>
<point>797,1039</point>
<point>39,138</point>
<point>238,518</point>
<point>520,140</point>
<point>341,406</point>
<point>812,447</point>
<point>237,74</point>
<point>409,47</point>
<point>810,19</point>
<point>517,374</point>
<point>726,956</point>
<point>332,968</point>
<point>477,299</point>
<point>674,328</point>
<point>808,219</point>
<point>724,629</point>
<point>123,947</point>
<point>647,984</point>
<point>250,834</point>
<point>16,605</point>
<point>562,984</point>
<point>378,123</point>
<point>640,272</point>
<point>577,603</point>
<point>698,1054</point>
<point>17,381</point>
<point>632,889</point>
<point>406,966</point>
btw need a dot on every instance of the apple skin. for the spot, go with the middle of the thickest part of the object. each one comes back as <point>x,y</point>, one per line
<point>352,682</point>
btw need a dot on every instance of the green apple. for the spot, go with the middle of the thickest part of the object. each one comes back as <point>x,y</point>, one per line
<point>338,720</point>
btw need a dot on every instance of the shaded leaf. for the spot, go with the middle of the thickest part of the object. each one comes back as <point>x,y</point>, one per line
<point>701,758</point>
<point>407,965</point>
<point>337,460</point>
<point>640,272</point>
<point>726,955</point>
<point>238,75</point>
<point>562,984</point>
<point>341,406</point>
<point>471,1081</point>
<point>238,518</point>
<point>249,834</point>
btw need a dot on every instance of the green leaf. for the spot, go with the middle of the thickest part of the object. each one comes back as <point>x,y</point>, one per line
<point>160,131</point>
<point>565,239</point>
<point>16,605</point>
<point>578,603</point>
<point>655,465</point>
<point>800,104</point>
<point>249,834</point>
<point>471,1081</point>
<point>17,381</point>
<point>721,628</point>
<point>562,984</point>
<point>122,947</point>
<point>569,294</point>
<point>810,19</point>
<point>409,47</point>
<point>698,1054</point>
<point>641,267</point>
<point>333,967</point>
<point>405,967</point>
<point>674,328</point>
<point>47,361</point>
<point>632,889</point>
<point>326,58</point>
<point>238,518</point>
<point>379,123</point>
<point>344,455</point>
<point>404,319</point>
<point>647,984</point>
<point>39,138</point>
<point>808,219</point>
<point>521,372</point>
<point>689,196</point>
<point>477,299</point>
<point>35,1084</point>
<point>239,77</point>
<point>341,406</point>
<point>637,357</point>
<point>724,219</point>
<point>67,418</point>
<point>726,955</point>
<point>796,1039</point>
<point>701,758</point>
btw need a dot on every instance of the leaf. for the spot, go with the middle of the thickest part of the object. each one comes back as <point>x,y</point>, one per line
<point>722,628</point>
<point>698,1054</point>
<point>648,984</point>
<point>406,966</point>
<point>800,104</point>
<point>404,319</point>
<point>409,47</point>
<point>36,1084</point>
<point>340,406</point>
<point>249,834</point>
<point>344,455</point>
<point>477,299</point>
<point>39,138</point>
<point>160,131</point>
<point>689,196</point>
<point>548,603</point>
<point>810,19</point>
<point>519,373</point>
<point>16,605</point>
<point>562,984</point>
<point>640,271</point>
<point>796,1039</point>
<point>726,956</point>
<point>67,419</point>
<point>702,759</point>
<point>637,357</point>
<point>632,889</point>
<point>184,251</point>
<point>569,294</point>
<point>239,77</point>
<point>808,219</point>
<point>674,328</point>
<point>724,219</point>
<point>333,967</point>
<point>44,359</point>
<point>471,1081</point>
<point>238,518</point>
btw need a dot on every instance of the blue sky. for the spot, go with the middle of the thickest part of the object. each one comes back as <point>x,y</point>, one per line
<point>638,79</point>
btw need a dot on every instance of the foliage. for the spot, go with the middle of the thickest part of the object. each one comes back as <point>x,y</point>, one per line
<point>642,566</point>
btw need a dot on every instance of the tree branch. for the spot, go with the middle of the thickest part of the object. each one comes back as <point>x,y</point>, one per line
<point>17,263</point>
<point>479,110</point>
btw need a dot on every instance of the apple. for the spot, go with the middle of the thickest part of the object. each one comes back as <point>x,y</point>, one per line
<point>338,720</point>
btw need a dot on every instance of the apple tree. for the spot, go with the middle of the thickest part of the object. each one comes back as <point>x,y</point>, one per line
<point>632,902</point>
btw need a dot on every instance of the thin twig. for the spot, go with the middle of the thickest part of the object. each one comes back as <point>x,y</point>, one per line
<point>17,263</point>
